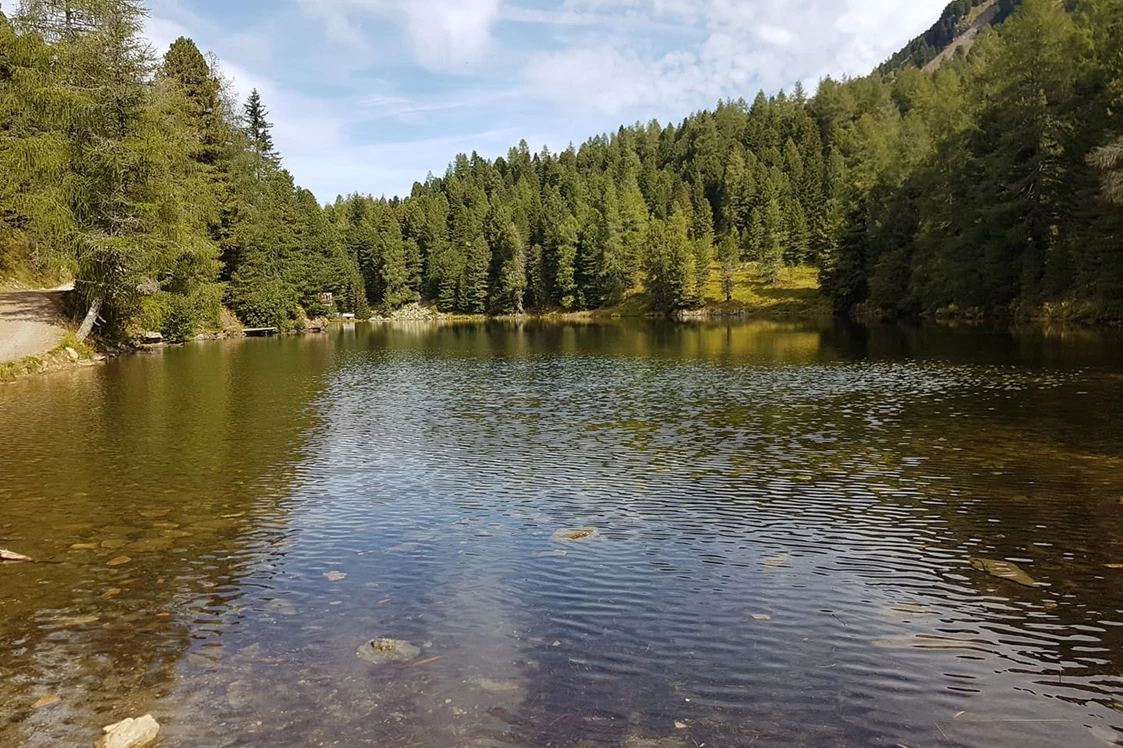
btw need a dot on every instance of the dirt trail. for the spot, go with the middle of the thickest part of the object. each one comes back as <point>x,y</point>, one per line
<point>31,323</point>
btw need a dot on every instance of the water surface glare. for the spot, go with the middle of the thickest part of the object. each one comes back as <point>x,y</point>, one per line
<point>782,520</point>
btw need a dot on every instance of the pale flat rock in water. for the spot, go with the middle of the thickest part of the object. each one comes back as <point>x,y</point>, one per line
<point>925,642</point>
<point>49,700</point>
<point>381,651</point>
<point>581,533</point>
<point>777,561</point>
<point>131,733</point>
<point>12,557</point>
<point>78,620</point>
<point>149,545</point>
<point>1004,570</point>
<point>495,686</point>
<point>908,610</point>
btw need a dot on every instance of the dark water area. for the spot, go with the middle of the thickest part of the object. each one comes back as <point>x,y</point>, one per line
<point>783,517</point>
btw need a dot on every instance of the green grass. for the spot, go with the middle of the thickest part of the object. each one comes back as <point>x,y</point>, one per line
<point>13,370</point>
<point>56,358</point>
<point>70,340</point>
<point>794,295</point>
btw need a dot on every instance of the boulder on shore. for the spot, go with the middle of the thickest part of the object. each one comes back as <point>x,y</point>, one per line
<point>412,312</point>
<point>130,733</point>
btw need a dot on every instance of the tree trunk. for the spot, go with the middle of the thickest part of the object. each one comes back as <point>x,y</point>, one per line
<point>90,320</point>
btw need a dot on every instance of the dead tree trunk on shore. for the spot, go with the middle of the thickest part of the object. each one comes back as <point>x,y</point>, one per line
<point>90,320</point>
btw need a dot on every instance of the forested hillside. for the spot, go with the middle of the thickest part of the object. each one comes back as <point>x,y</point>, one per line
<point>952,24</point>
<point>986,185</point>
<point>141,177</point>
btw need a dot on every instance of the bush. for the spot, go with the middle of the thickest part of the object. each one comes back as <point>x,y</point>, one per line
<point>179,317</point>
<point>269,303</point>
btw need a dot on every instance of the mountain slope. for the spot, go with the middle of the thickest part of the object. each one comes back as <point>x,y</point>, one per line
<point>957,28</point>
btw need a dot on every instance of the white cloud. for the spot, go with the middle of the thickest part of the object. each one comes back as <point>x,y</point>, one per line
<point>746,45</point>
<point>446,35</point>
<point>388,168</point>
<point>370,95</point>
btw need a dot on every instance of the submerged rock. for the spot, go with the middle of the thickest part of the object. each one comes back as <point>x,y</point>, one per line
<point>130,733</point>
<point>777,561</point>
<point>12,557</point>
<point>582,533</point>
<point>1004,570</point>
<point>45,701</point>
<point>381,651</point>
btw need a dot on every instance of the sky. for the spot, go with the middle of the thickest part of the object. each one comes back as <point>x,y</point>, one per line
<point>370,96</point>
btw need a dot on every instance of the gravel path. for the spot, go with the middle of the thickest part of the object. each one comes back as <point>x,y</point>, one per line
<point>31,323</point>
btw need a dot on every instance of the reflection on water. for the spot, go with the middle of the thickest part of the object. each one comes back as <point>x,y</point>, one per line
<point>785,521</point>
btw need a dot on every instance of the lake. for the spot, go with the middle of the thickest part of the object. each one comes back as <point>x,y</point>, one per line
<point>779,527</point>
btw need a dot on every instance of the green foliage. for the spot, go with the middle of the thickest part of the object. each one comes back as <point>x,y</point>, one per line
<point>673,277</point>
<point>986,184</point>
<point>729,254</point>
<point>266,301</point>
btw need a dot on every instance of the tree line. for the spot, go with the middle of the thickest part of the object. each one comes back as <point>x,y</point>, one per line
<point>986,185</point>
<point>145,179</point>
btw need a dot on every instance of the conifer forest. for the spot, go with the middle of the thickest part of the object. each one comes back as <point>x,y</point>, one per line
<point>988,183</point>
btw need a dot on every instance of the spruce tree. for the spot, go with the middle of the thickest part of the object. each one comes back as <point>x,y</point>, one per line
<point>729,255</point>
<point>259,133</point>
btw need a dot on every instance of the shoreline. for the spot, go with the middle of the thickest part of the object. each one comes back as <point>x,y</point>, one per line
<point>67,357</point>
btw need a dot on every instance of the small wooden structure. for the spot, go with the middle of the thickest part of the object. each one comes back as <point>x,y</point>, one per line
<point>259,332</point>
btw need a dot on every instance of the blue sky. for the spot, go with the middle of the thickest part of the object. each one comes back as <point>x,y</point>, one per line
<point>371,95</point>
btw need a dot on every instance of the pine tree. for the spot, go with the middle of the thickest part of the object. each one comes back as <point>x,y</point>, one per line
<point>772,241</point>
<point>259,133</point>
<point>671,280</point>
<point>564,243</point>
<point>122,152</point>
<point>729,255</point>
<point>468,234</point>
<point>509,250</point>
<point>37,225</point>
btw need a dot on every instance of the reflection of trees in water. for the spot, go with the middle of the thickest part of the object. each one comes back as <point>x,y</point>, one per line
<point>181,462</point>
<point>210,442</point>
